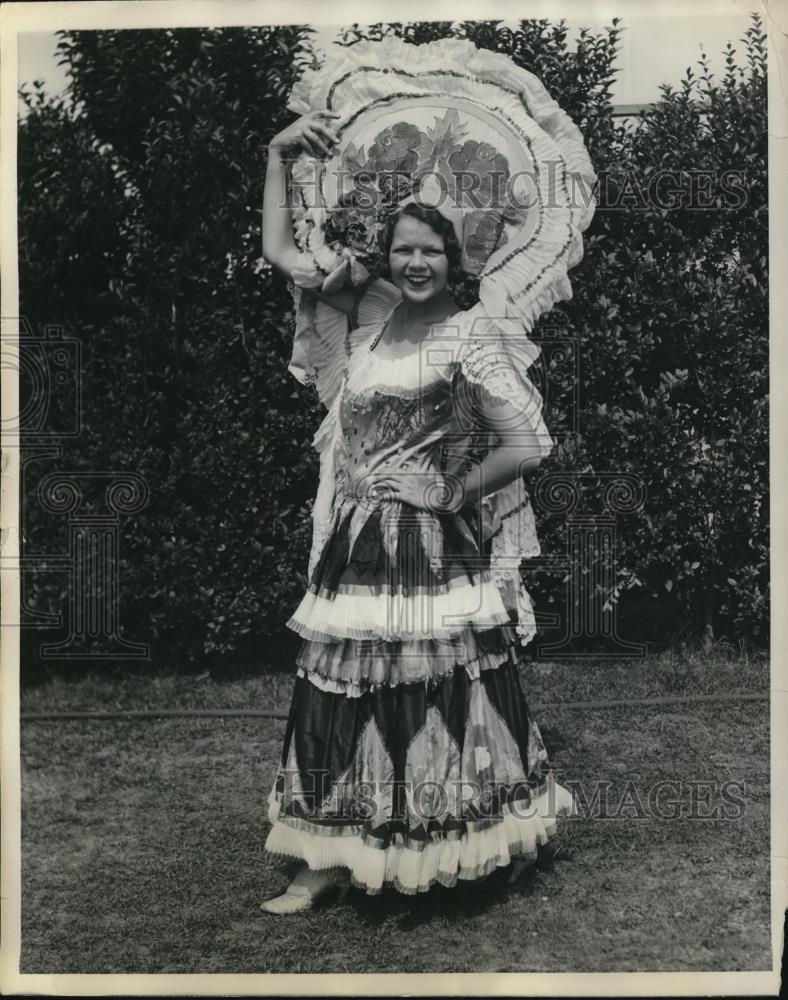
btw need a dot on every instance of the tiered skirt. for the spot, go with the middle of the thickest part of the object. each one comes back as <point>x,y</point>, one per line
<point>409,755</point>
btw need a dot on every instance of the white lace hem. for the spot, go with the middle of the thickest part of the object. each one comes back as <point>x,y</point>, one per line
<point>473,855</point>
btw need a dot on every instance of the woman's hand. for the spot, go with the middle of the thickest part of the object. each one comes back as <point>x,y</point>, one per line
<point>425,491</point>
<point>309,132</point>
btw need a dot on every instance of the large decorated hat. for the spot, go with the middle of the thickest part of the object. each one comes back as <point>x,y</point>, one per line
<point>457,128</point>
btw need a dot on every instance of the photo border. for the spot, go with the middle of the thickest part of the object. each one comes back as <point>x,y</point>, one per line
<point>18,18</point>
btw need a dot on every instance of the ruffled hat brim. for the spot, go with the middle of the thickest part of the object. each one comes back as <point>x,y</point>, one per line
<point>374,85</point>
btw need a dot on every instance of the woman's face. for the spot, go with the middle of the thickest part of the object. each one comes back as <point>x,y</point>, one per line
<point>417,260</point>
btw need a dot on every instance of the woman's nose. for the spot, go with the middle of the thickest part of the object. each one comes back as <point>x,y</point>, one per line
<point>416,259</point>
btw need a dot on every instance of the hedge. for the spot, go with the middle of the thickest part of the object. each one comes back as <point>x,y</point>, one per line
<point>140,212</point>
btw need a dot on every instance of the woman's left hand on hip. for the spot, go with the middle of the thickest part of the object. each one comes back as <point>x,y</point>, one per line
<point>425,491</point>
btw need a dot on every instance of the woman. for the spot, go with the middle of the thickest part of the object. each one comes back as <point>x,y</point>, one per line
<point>409,755</point>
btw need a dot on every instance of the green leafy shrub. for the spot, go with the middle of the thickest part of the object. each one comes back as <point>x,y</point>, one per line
<point>150,255</point>
<point>140,205</point>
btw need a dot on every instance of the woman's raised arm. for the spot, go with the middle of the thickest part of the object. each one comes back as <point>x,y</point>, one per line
<point>279,247</point>
<point>310,134</point>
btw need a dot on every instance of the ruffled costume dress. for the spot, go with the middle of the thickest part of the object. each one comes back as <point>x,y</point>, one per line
<point>410,757</point>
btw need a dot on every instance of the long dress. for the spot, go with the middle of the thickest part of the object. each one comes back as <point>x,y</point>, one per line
<point>410,757</point>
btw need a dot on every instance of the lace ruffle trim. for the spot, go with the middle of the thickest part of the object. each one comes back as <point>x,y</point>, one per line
<point>396,616</point>
<point>473,855</point>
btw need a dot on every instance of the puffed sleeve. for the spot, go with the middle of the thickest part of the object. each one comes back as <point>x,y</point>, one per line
<point>495,358</point>
<point>319,354</point>
<point>325,338</point>
<point>375,300</point>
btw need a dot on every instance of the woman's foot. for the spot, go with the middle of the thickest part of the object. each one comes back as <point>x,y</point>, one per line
<point>306,888</point>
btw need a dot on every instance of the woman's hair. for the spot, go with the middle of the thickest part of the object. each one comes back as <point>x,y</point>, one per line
<point>438,224</point>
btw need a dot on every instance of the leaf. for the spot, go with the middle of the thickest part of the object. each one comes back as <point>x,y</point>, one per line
<point>445,134</point>
<point>354,160</point>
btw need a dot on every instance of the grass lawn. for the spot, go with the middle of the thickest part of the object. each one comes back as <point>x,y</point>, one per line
<point>142,840</point>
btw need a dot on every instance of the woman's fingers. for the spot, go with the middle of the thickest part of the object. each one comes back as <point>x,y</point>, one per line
<point>302,139</point>
<point>313,149</point>
<point>325,135</point>
<point>384,487</point>
<point>325,130</point>
<point>316,141</point>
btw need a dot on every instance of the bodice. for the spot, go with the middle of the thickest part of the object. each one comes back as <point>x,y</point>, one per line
<point>400,415</point>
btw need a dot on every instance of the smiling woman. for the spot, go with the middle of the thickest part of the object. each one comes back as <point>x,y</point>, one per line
<point>410,757</point>
<point>421,252</point>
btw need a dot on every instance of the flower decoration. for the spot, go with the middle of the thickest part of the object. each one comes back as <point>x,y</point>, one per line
<point>396,149</point>
<point>354,224</point>
<point>485,167</point>
<point>485,236</point>
<point>402,160</point>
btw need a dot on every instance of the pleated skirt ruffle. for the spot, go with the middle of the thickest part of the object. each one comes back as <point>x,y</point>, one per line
<point>352,666</point>
<point>390,571</point>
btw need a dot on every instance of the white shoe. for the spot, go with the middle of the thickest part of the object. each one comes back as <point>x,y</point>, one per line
<point>292,900</point>
<point>296,898</point>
